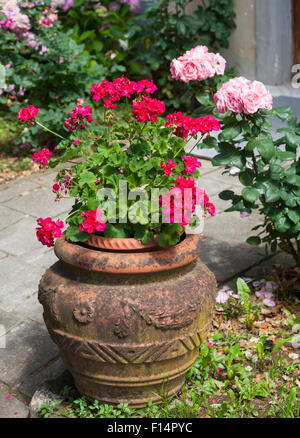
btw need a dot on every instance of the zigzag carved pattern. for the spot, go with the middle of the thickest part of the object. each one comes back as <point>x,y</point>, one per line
<point>114,353</point>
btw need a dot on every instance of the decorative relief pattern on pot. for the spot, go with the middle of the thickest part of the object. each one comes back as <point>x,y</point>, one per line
<point>164,320</point>
<point>84,313</point>
<point>48,298</point>
<point>127,353</point>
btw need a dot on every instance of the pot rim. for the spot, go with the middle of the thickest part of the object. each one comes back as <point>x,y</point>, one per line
<point>164,259</point>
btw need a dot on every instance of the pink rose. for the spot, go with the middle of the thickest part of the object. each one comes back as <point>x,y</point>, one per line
<point>190,70</point>
<point>251,101</point>
<point>220,101</point>
<point>176,69</point>
<point>266,97</point>
<point>219,64</point>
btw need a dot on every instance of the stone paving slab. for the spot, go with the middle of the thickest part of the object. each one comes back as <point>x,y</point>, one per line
<point>8,320</point>
<point>31,309</point>
<point>40,203</point>
<point>10,406</point>
<point>18,280</point>
<point>225,261</point>
<point>17,188</point>
<point>8,217</point>
<point>28,348</point>
<point>49,371</point>
<point>20,238</point>
<point>230,228</point>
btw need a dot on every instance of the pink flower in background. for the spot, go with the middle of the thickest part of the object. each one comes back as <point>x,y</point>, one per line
<point>242,96</point>
<point>5,21</point>
<point>75,142</point>
<point>28,113</point>
<point>197,64</point>
<point>78,115</point>
<point>42,157</point>
<point>134,4</point>
<point>48,231</point>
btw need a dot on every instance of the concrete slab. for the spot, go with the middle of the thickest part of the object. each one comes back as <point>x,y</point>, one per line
<point>8,217</point>
<point>30,308</point>
<point>230,228</point>
<point>10,406</point>
<point>8,320</point>
<point>18,280</point>
<point>9,191</point>
<point>225,260</point>
<point>20,238</point>
<point>48,372</point>
<point>40,203</point>
<point>28,348</point>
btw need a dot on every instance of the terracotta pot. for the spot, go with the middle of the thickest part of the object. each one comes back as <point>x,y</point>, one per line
<point>124,245</point>
<point>128,325</point>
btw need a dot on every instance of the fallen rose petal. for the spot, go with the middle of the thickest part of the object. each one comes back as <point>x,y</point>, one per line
<point>269,303</point>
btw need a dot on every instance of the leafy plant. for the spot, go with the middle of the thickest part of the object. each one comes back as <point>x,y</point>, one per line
<point>251,310</point>
<point>271,186</point>
<point>45,66</point>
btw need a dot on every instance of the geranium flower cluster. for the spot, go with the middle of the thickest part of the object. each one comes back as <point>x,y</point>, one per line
<point>243,96</point>
<point>180,202</point>
<point>42,157</point>
<point>78,114</point>
<point>48,231</point>
<point>62,185</point>
<point>168,168</point>
<point>147,109</point>
<point>121,87</point>
<point>93,221</point>
<point>49,16</point>
<point>6,22</point>
<point>197,64</point>
<point>191,164</point>
<point>186,125</point>
<point>28,113</point>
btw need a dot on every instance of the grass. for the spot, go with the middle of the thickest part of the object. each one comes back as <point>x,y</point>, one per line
<point>243,371</point>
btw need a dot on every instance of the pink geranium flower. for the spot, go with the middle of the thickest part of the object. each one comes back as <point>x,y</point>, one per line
<point>28,113</point>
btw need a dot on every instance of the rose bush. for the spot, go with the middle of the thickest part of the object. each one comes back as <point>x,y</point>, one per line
<point>137,147</point>
<point>269,169</point>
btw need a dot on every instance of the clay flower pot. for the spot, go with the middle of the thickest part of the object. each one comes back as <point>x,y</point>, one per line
<point>128,324</point>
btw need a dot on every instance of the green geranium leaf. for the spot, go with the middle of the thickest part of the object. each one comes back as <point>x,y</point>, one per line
<point>86,178</point>
<point>116,230</point>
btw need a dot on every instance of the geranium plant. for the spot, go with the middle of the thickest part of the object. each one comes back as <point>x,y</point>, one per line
<point>135,150</point>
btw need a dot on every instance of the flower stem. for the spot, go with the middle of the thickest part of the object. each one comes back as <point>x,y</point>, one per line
<point>47,129</point>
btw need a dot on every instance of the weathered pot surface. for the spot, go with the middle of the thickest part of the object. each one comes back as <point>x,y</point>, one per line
<point>128,325</point>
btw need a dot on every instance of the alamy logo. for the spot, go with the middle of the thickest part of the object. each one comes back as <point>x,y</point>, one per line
<point>2,336</point>
<point>296,77</point>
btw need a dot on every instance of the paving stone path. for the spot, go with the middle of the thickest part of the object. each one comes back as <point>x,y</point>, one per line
<point>28,356</point>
